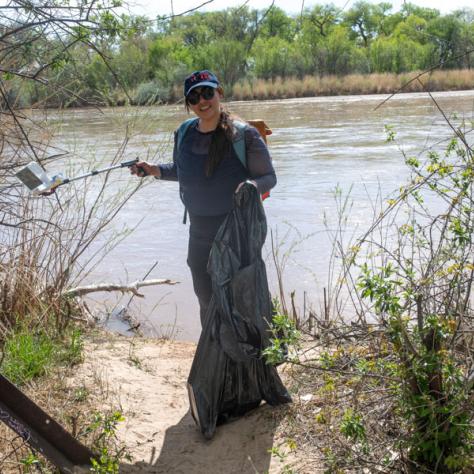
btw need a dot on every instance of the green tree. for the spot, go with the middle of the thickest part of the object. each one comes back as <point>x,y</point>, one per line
<point>227,57</point>
<point>322,18</point>
<point>446,35</point>
<point>237,24</point>
<point>340,55</point>
<point>428,14</point>
<point>413,28</point>
<point>277,23</point>
<point>366,20</point>
<point>192,29</point>
<point>98,81</point>
<point>131,61</point>
<point>406,49</point>
<point>399,54</point>
<point>169,59</point>
<point>335,53</point>
<point>315,27</point>
<point>274,57</point>
<point>389,23</point>
<point>466,37</point>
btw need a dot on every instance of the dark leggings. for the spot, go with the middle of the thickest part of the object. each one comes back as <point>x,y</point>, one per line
<point>202,231</point>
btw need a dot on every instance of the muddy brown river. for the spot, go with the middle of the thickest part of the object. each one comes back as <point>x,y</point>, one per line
<point>317,145</point>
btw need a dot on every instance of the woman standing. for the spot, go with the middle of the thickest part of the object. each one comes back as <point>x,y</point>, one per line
<point>209,170</point>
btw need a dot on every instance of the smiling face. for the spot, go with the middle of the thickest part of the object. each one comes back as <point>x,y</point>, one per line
<point>207,109</point>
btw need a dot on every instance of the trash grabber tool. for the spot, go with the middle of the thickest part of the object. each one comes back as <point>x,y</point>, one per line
<point>38,181</point>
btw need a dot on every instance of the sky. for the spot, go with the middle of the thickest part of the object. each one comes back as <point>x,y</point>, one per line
<point>152,8</point>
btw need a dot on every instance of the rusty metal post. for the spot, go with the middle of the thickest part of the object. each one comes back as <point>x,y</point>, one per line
<point>41,432</point>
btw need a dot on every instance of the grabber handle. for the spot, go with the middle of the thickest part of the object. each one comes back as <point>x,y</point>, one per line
<point>141,172</point>
<point>129,163</point>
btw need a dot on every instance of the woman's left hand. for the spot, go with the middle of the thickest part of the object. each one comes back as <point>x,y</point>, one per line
<point>249,181</point>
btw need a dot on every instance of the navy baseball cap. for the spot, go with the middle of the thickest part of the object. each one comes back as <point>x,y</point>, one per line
<point>199,79</point>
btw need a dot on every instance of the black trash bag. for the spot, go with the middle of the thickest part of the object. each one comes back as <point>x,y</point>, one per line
<point>229,376</point>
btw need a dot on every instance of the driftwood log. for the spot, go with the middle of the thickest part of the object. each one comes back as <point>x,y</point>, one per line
<point>129,287</point>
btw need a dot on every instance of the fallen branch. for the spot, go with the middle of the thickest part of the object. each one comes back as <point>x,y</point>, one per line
<point>132,287</point>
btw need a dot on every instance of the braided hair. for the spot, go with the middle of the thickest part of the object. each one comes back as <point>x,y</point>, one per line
<point>221,142</point>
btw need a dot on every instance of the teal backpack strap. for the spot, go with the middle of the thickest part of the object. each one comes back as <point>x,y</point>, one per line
<point>239,142</point>
<point>180,133</point>
<point>183,128</point>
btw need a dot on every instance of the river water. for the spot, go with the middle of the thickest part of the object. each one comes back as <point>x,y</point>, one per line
<point>317,145</point>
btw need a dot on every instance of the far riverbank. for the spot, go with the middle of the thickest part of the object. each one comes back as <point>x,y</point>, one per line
<point>316,86</point>
<point>277,88</point>
<point>354,84</point>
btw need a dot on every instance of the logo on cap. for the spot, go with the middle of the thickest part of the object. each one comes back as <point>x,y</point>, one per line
<point>204,77</point>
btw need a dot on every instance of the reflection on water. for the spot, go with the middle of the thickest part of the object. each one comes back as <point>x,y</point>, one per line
<point>317,144</point>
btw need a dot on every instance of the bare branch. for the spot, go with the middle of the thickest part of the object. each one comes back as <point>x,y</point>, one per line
<point>130,287</point>
<point>187,11</point>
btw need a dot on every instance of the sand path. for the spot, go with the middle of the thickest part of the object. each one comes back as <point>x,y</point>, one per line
<point>146,380</point>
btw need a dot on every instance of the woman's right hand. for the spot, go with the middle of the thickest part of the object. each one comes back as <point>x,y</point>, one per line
<point>142,168</point>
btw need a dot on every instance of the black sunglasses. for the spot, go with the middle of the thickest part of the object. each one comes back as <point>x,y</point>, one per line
<point>207,93</point>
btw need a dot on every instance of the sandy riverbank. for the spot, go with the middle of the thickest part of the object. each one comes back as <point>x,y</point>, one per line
<point>146,380</point>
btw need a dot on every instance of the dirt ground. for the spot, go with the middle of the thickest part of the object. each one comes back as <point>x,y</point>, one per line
<point>146,380</point>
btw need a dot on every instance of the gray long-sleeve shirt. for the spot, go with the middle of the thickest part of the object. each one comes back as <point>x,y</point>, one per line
<point>213,195</point>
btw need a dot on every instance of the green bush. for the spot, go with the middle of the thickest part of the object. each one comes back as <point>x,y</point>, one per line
<point>148,93</point>
<point>284,336</point>
<point>417,292</point>
<point>109,454</point>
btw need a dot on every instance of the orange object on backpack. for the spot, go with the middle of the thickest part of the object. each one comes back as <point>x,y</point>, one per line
<point>264,130</point>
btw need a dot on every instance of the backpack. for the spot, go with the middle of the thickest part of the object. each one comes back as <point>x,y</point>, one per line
<point>238,143</point>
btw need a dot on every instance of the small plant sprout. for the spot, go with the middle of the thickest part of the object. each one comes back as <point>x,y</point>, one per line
<point>284,336</point>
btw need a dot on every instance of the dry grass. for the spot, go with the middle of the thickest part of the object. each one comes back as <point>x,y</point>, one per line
<point>326,387</point>
<point>352,84</point>
<point>71,404</point>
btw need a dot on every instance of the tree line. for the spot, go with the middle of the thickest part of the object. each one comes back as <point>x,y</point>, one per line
<point>142,60</point>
